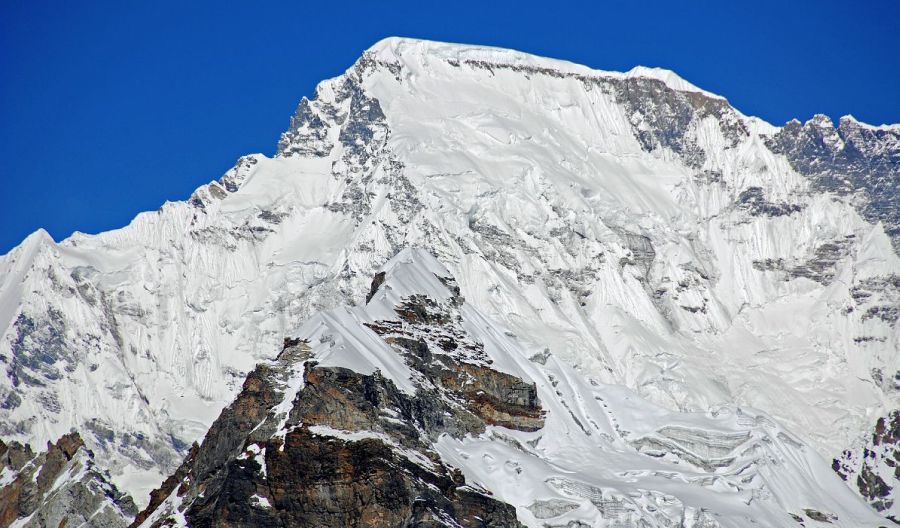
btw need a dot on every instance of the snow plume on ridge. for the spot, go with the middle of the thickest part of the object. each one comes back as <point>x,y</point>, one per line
<point>643,232</point>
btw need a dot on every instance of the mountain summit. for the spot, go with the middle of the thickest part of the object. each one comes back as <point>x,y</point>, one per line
<point>734,282</point>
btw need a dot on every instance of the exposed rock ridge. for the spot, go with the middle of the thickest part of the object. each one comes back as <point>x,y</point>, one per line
<point>344,448</point>
<point>59,487</point>
<point>853,160</point>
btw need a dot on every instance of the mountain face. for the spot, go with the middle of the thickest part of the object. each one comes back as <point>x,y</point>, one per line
<point>418,410</point>
<point>739,279</point>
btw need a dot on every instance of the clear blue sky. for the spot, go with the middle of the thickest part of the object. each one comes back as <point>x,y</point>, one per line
<point>111,108</point>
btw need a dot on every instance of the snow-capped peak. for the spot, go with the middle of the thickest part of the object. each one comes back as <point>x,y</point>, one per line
<point>400,50</point>
<point>884,127</point>
<point>645,236</point>
<point>669,78</point>
<point>821,121</point>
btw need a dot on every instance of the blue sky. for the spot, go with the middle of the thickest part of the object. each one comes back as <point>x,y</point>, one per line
<point>110,108</point>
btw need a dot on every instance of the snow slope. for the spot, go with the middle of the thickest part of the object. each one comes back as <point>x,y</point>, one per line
<point>600,455</point>
<point>642,230</point>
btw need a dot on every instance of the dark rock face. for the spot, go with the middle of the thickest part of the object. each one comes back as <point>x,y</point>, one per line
<point>754,201</point>
<point>160,494</point>
<point>317,480</point>
<point>850,160</point>
<point>377,281</point>
<point>819,267</point>
<point>58,487</point>
<point>662,116</point>
<point>352,449</point>
<point>877,465</point>
<point>307,134</point>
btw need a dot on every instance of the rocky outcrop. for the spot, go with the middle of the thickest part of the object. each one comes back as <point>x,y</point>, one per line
<point>433,341</point>
<point>754,201</point>
<point>851,159</point>
<point>306,444</point>
<point>874,469</point>
<point>59,487</point>
<point>819,267</point>
<point>310,477</point>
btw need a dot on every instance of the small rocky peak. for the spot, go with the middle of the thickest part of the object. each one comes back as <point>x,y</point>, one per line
<point>15,455</point>
<point>793,124</point>
<point>426,327</point>
<point>853,131</point>
<point>61,486</point>
<point>848,122</point>
<point>412,274</point>
<point>821,130</point>
<point>67,445</point>
<point>820,121</point>
<point>229,183</point>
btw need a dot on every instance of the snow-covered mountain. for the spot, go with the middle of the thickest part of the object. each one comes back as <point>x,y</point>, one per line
<point>637,229</point>
<point>418,410</point>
